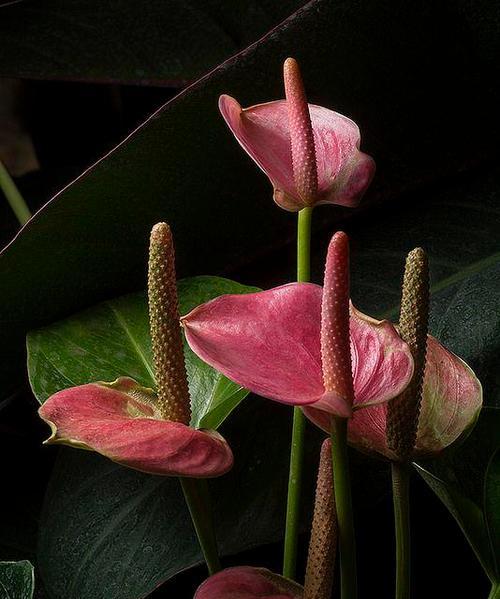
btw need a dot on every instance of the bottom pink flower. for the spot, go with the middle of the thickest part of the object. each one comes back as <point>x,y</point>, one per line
<point>120,420</point>
<point>245,582</point>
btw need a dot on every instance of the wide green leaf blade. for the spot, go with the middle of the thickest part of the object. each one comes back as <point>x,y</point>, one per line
<point>17,580</point>
<point>492,508</point>
<point>112,339</point>
<point>458,478</point>
<point>152,42</point>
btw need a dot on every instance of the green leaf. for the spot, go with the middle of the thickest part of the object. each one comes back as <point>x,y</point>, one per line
<point>109,532</point>
<point>152,42</point>
<point>112,340</point>
<point>458,478</point>
<point>492,507</point>
<point>17,580</point>
<point>182,165</point>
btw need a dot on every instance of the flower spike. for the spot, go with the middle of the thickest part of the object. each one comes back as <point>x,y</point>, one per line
<point>335,335</point>
<point>305,170</point>
<point>323,544</point>
<point>403,412</point>
<point>166,338</point>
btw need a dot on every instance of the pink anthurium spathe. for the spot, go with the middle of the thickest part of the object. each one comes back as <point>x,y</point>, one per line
<point>310,153</point>
<point>270,343</point>
<point>245,582</point>
<point>137,427</point>
<point>121,421</point>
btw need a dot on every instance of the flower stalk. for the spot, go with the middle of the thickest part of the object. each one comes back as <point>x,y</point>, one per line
<point>15,199</point>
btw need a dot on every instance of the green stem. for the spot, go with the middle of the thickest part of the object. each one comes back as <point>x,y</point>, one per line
<point>343,503</point>
<point>495,591</point>
<point>292,526</point>
<point>13,196</point>
<point>401,500</point>
<point>197,497</point>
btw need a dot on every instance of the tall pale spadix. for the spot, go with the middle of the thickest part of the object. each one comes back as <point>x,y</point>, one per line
<point>166,338</point>
<point>403,412</point>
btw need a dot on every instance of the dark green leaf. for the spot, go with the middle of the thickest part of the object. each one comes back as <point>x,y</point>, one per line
<point>458,478</point>
<point>391,68</point>
<point>112,340</point>
<point>16,580</point>
<point>150,42</point>
<point>492,507</point>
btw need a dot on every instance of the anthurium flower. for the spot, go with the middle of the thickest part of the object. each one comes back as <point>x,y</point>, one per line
<point>451,402</point>
<point>270,343</point>
<point>144,429</point>
<point>245,582</point>
<point>310,153</point>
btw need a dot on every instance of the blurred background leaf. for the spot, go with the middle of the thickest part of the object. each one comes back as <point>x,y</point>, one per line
<point>149,43</point>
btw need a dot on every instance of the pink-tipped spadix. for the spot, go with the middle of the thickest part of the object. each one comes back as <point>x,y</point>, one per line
<point>335,329</point>
<point>270,343</point>
<point>305,172</point>
<point>310,153</point>
<point>137,427</point>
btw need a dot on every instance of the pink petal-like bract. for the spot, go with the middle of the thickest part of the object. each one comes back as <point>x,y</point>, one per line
<point>119,421</point>
<point>343,171</point>
<point>269,342</point>
<point>451,402</point>
<point>248,583</point>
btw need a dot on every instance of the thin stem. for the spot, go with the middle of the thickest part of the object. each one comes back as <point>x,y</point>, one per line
<point>495,591</point>
<point>343,502</point>
<point>13,196</point>
<point>401,500</point>
<point>197,498</point>
<point>292,526</point>
<point>304,245</point>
